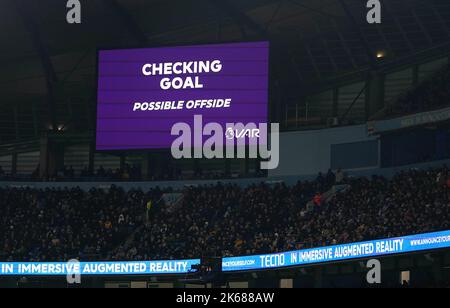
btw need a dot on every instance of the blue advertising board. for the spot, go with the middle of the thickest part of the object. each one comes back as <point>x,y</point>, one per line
<point>369,249</point>
<point>97,268</point>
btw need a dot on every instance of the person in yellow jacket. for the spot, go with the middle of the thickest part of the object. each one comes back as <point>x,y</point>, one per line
<point>149,207</point>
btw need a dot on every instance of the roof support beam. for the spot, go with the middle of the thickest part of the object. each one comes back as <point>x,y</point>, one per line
<point>327,48</point>
<point>419,4</point>
<point>441,20</point>
<point>16,122</point>
<point>314,10</point>
<point>361,36</point>
<point>128,21</point>
<point>313,61</point>
<point>241,19</point>
<point>34,111</point>
<point>344,44</point>
<point>274,15</point>
<point>77,66</point>
<point>44,56</point>
<point>422,27</point>
<point>386,42</point>
<point>399,26</point>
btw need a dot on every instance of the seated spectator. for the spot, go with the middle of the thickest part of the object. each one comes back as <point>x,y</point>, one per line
<point>339,176</point>
<point>317,199</point>
<point>330,178</point>
<point>320,179</point>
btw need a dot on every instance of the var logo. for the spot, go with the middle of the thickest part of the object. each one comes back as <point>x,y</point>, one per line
<point>74,14</point>
<point>243,133</point>
<point>374,14</point>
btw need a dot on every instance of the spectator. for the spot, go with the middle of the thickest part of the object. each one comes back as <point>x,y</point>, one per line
<point>339,176</point>
<point>56,224</point>
<point>330,178</point>
<point>317,199</point>
<point>320,179</point>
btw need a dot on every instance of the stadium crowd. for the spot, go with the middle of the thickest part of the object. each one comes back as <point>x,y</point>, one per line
<point>228,220</point>
<point>58,224</point>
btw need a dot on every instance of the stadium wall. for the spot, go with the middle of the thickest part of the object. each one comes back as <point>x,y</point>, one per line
<point>177,185</point>
<point>309,152</point>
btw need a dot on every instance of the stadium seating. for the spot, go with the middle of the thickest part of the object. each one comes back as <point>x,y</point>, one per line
<point>58,224</point>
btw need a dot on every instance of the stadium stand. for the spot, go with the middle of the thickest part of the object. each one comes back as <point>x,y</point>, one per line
<point>52,224</point>
<point>55,224</point>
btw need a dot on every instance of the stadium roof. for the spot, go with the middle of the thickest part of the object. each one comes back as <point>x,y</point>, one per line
<point>48,67</point>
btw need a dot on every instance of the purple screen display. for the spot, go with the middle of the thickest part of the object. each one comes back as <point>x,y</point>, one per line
<point>142,93</point>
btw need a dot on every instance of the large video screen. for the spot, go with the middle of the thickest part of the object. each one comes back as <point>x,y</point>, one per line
<point>143,93</point>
